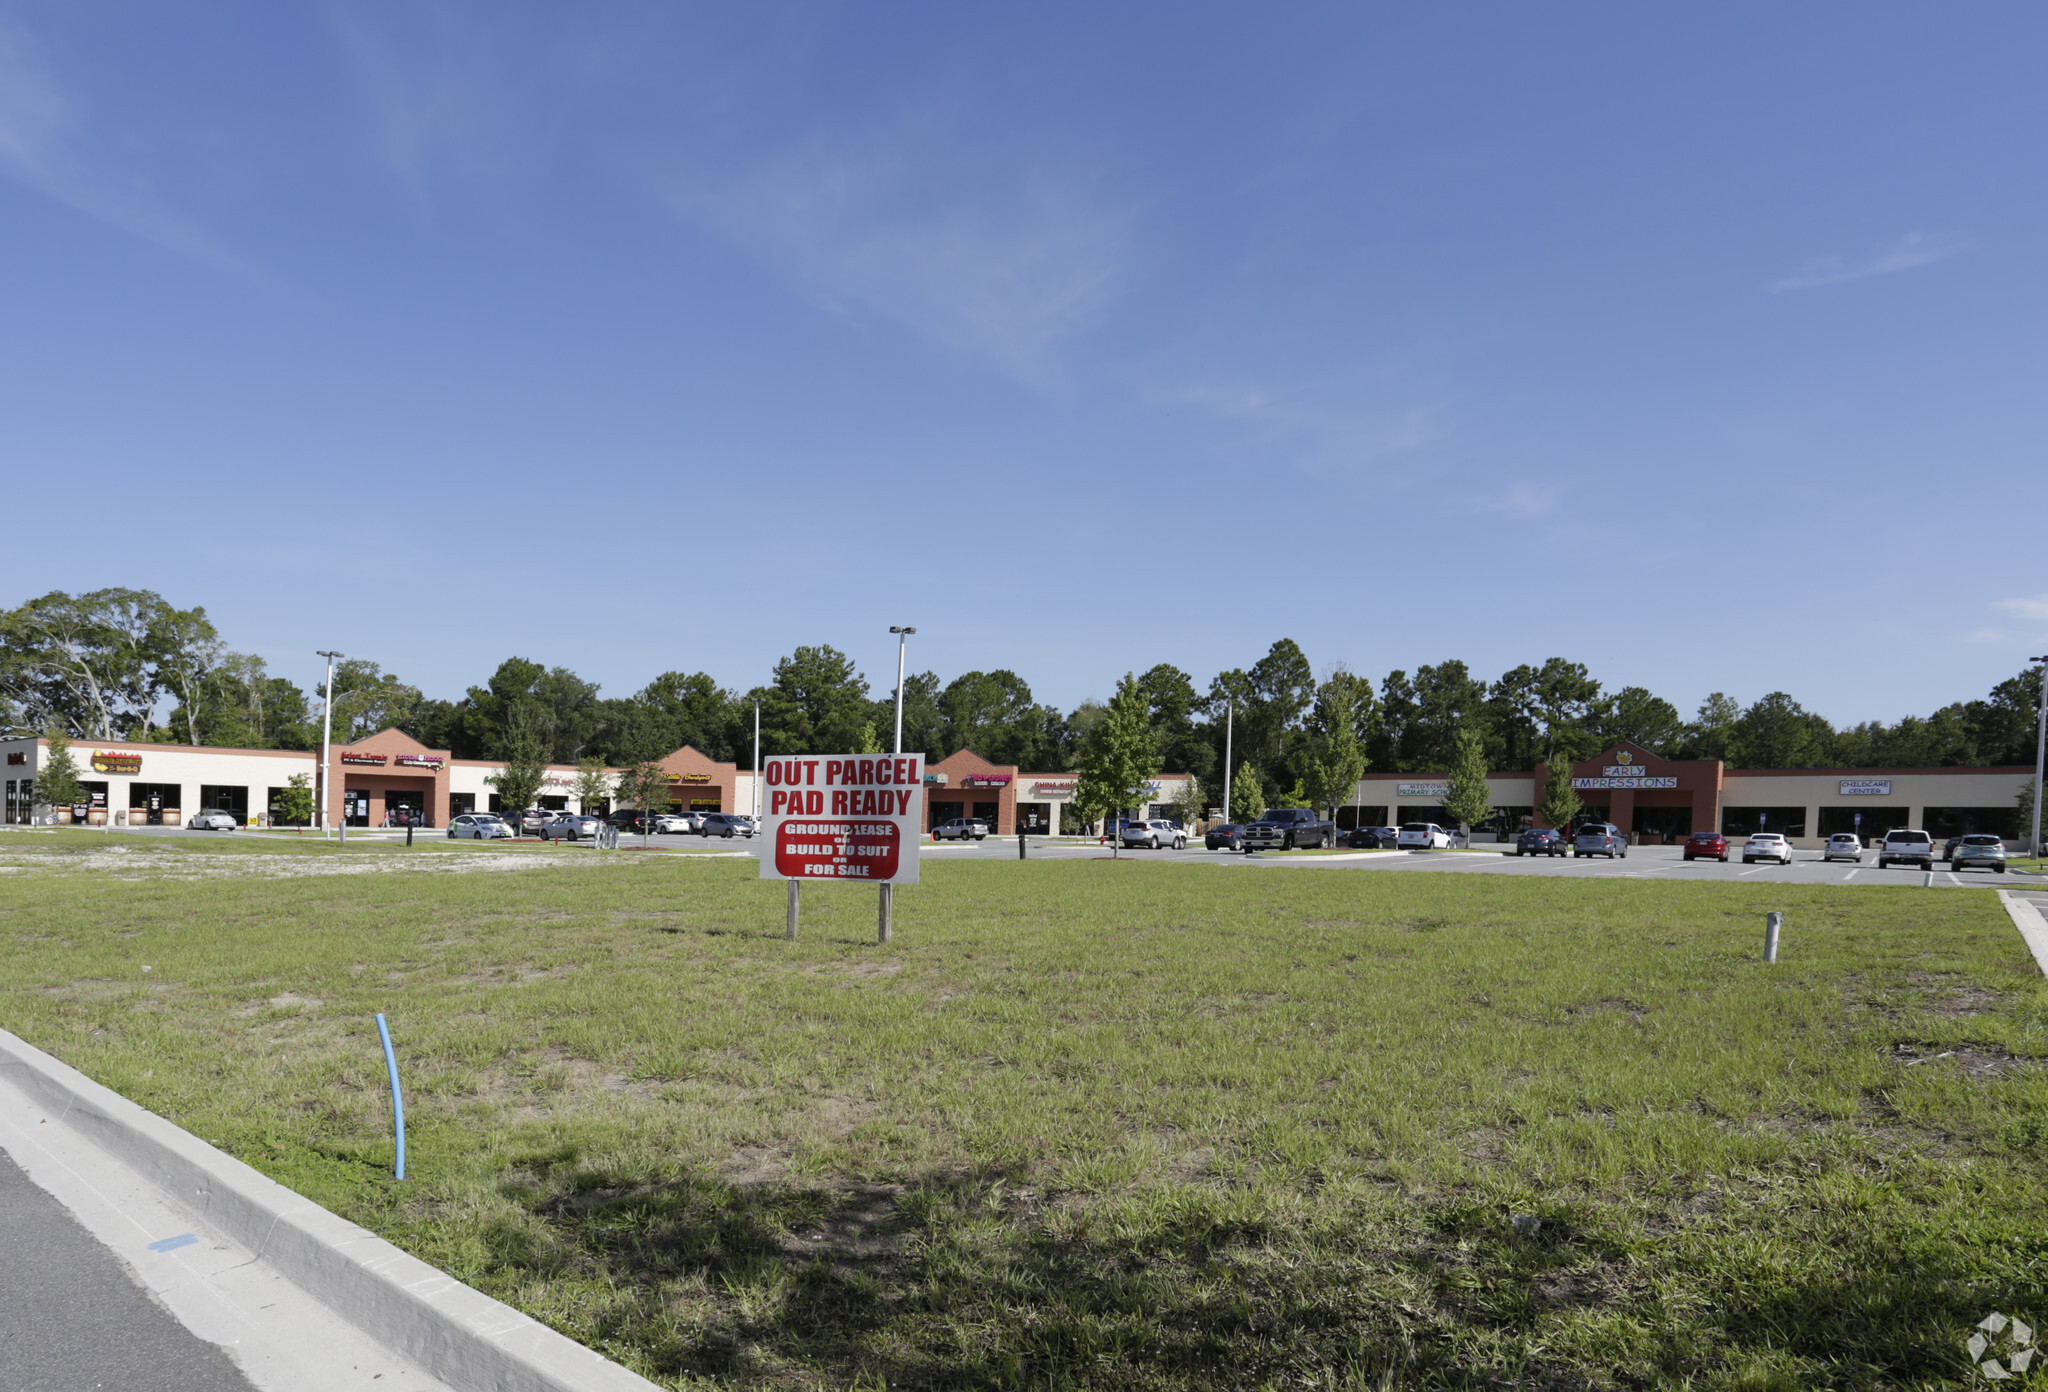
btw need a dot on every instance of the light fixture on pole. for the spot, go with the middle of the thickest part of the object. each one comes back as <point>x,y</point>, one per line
<point>883,923</point>
<point>327,743</point>
<point>2040,755</point>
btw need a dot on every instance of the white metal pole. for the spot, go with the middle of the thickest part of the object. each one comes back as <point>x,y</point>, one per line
<point>1229,728</point>
<point>886,914</point>
<point>327,742</point>
<point>2040,756</point>
<point>757,765</point>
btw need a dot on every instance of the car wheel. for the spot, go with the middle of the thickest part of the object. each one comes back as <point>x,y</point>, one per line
<point>1749,860</point>
<point>1999,868</point>
<point>728,833</point>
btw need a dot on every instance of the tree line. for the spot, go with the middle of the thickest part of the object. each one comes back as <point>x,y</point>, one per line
<point>126,664</point>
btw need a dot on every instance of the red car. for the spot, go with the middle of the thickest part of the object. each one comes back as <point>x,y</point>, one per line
<point>1707,843</point>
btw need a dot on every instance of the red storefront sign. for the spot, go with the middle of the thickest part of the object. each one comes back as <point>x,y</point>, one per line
<point>847,817</point>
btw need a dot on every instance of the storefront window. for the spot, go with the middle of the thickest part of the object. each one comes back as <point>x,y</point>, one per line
<point>1350,818</point>
<point>228,798</point>
<point>1877,820</point>
<point>1747,821</point>
<point>460,804</point>
<point>1657,826</point>
<point>1034,818</point>
<point>1962,821</point>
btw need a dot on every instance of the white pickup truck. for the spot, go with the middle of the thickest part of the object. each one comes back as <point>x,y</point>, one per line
<point>1906,847</point>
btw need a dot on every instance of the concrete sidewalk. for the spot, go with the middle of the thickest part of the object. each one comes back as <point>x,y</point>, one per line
<point>294,1297</point>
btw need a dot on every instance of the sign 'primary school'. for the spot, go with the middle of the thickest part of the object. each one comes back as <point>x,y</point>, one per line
<point>854,818</point>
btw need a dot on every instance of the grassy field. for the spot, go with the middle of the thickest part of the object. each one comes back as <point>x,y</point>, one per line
<point>1104,1125</point>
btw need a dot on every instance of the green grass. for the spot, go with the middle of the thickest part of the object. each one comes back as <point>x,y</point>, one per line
<point>1113,1125</point>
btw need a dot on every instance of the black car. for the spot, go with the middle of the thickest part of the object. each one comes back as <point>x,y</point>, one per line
<point>1541,841</point>
<point>1367,839</point>
<point>1228,837</point>
<point>628,819</point>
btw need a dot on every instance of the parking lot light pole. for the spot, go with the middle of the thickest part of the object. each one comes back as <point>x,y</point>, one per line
<point>327,745</point>
<point>1229,728</point>
<point>883,925</point>
<point>2040,754</point>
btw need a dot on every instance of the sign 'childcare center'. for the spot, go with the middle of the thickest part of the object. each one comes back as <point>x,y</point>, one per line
<point>848,817</point>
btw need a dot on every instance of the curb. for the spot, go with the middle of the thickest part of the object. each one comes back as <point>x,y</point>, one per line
<point>2033,928</point>
<point>457,1334</point>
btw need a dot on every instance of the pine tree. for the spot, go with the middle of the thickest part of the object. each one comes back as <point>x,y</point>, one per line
<point>57,782</point>
<point>1560,804</point>
<point>1121,756</point>
<point>1469,800</point>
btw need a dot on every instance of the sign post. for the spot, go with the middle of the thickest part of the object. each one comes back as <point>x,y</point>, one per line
<point>849,818</point>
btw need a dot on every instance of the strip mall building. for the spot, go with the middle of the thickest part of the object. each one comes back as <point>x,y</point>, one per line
<point>390,776</point>
<point>1663,800</point>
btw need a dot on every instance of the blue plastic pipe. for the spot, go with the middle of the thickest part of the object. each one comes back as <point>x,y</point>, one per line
<point>397,1098</point>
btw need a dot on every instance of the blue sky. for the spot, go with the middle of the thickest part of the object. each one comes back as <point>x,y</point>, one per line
<point>1083,338</point>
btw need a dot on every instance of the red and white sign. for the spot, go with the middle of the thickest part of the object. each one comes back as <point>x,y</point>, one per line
<point>855,818</point>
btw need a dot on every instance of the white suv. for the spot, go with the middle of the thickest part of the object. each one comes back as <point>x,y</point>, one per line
<point>1912,847</point>
<point>1422,836</point>
<point>1843,844</point>
<point>1767,845</point>
<point>1154,834</point>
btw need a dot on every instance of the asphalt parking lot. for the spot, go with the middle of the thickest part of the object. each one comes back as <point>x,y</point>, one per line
<point>1641,863</point>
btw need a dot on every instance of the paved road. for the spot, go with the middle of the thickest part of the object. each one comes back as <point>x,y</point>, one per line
<point>72,1320</point>
<point>1642,863</point>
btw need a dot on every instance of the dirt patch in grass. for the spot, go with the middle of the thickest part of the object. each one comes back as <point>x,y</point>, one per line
<point>1974,1060</point>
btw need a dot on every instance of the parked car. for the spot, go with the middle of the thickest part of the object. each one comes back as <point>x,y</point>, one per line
<point>1284,828</point>
<point>961,829</point>
<point>1843,845</point>
<point>726,824</point>
<point>675,823</point>
<point>212,821</point>
<point>1766,845</point>
<point>1422,836</point>
<point>1912,847</point>
<point>1980,850</point>
<point>1227,837</point>
<point>1153,835</point>
<point>1600,838</point>
<point>1543,841</point>
<point>1707,844</point>
<point>570,826</point>
<point>628,819</point>
<point>478,826</point>
<point>534,820</point>
<point>1367,838</point>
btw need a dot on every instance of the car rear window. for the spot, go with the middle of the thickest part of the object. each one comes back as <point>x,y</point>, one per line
<point>1415,826</point>
<point>1919,838</point>
<point>1982,841</point>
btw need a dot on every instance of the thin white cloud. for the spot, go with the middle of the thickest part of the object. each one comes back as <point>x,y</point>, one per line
<point>44,143</point>
<point>2027,607</point>
<point>1913,249</point>
<point>1321,440</point>
<point>1004,268</point>
<point>1523,500</point>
